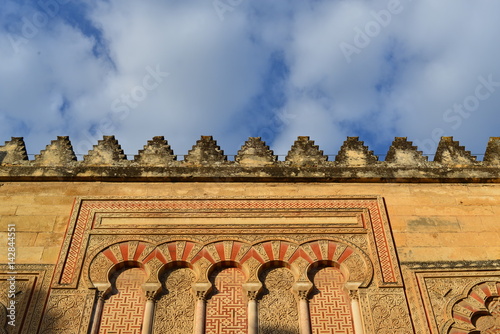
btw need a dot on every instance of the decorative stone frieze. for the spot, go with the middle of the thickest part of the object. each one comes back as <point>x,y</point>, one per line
<point>255,161</point>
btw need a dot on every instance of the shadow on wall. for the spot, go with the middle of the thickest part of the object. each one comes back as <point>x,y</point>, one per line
<point>274,330</point>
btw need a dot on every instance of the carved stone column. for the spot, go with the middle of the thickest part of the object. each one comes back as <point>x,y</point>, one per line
<point>150,290</point>
<point>252,290</point>
<point>356,312</point>
<point>302,289</point>
<point>253,320</point>
<point>201,290</point>
<point>149,313</point>
<point>304,315</point>
<point>98,313</point>
<point>102,290</point>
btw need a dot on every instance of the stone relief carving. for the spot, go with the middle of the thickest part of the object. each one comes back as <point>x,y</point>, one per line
<point>175,308</point>
<point>63,314</point>
<point>479,311</point>
<point>278,305</point>
<point>3,319</point>
<point>441,291</point>
<point>389,313</point>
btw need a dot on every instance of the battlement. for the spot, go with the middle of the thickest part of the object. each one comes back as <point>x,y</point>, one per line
<point>253,162</point>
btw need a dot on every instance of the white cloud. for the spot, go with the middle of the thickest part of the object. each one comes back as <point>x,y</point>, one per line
<point>424,60</point>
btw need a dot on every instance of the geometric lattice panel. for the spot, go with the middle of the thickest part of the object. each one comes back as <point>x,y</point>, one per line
<point>330,308</point>
<point>227,308</point>
<point>123,312</point>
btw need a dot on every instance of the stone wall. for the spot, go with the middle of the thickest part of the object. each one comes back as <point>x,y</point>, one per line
<point>459,219</point>
<point>414,242</point>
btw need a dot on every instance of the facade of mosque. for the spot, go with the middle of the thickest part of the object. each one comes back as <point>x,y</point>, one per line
<point>254,245</point>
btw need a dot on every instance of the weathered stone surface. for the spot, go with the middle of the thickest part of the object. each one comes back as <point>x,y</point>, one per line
<point>156,153</point>
<point>305,153</point>
<point>354,153</point>
<point>58,153</point>
<point>106,152</point>
<point>205,151</point>
<point>13,152</point>
<point>254,162</point>
<point>449,152</point>
<point>403,153</point>
<point>492,154</point>
<point>255,152</point>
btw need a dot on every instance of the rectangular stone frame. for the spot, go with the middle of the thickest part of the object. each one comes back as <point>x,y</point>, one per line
<point>425,281</point>
<point>366,226</point>
<point>32,283</point>
<point>87,212</point>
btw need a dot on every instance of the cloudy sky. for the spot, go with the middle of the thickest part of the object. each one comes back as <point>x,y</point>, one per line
<point>233,69</point>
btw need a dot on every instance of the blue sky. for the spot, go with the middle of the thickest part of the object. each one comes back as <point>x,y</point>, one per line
<point>240,68</point>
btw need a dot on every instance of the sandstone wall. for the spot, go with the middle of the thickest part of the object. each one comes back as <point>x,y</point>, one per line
<point>430,222</point>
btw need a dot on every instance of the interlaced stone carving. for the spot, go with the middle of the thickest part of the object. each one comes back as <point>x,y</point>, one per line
<point>278,307</point>
<point>175,308</point>
<point>63,314</point>
<point>389,314</point>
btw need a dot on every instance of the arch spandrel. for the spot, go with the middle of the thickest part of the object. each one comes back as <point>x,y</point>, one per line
<point>116,256</point>
<point>475,310</point>
<point>351,260</point>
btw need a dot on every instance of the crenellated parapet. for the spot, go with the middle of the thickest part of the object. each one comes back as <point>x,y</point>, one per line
<point>255,161</point>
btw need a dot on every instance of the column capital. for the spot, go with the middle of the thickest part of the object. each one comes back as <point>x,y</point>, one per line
<point>103,290</point>
<point>150,295</point>
<point>303,294</point>
<point>302,289</point>
<point>252,289</point>
<point>353,294</point>
<point>151,290</point>
<point>201,289</point>
<point>252,295</point>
